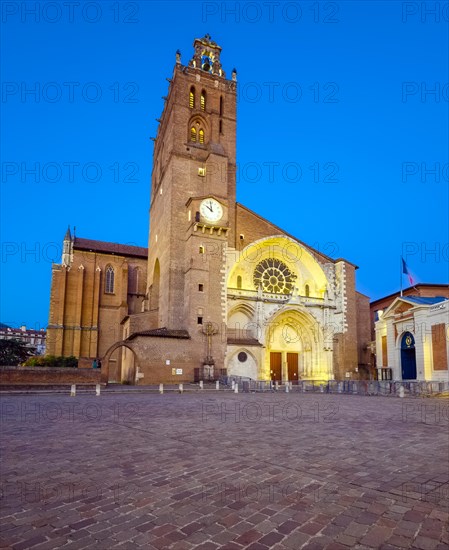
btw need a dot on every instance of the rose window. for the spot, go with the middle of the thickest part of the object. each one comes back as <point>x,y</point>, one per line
<point>274,276</point>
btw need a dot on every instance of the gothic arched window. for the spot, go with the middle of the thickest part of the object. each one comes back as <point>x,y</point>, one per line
<point>203,100</point>
<point>307,289</point>
<point>109,280</point>
<point>197,132</point>
<point>192,97</point>
<point>239,281</point>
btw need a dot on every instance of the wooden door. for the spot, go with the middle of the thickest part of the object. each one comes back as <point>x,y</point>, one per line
<point>292,364</point>
<point>276,365</point>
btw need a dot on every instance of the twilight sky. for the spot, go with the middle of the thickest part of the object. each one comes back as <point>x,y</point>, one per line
<point>342,135</point>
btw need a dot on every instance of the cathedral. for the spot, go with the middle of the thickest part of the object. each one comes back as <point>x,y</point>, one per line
<point>220,290</point>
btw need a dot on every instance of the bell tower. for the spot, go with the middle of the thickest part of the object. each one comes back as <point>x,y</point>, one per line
<point>192,208</point>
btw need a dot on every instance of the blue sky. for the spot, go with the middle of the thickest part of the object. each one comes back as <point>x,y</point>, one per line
<point>341,140</point>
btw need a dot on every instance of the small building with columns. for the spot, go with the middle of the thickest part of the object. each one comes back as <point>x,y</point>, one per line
<point>412,339</point>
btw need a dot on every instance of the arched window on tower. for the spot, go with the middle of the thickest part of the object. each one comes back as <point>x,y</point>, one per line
<point>201,135</point>
<point>221,105</point>
<point>239,281</point>
<point>192,98</point>
<point>203,100</point>
<point>307,289</point>
<point>193,134</point>
<point>109,280</point>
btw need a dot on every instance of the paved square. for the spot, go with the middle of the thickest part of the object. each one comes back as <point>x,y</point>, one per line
<point>219,470</point>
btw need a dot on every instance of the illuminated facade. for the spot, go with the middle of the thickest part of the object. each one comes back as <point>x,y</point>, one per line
<point>227,291</point>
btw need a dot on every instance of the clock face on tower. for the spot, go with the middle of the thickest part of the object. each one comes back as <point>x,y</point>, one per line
<point>211,210</point>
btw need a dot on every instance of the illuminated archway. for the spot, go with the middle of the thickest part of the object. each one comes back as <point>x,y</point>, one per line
<point>294,347</point>
<point>241,323</point>
<point>278,265</point>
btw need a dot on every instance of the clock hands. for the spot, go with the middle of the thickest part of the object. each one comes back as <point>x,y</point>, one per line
<point>211,209</point>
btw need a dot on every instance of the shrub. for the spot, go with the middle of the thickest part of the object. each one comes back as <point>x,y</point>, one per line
<point>51,361</point>
<point>69,362</point>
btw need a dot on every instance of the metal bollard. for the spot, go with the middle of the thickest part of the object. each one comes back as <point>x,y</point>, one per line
<point>201,384</point>
<point>217,385</point>
<point>97,389</point>
<point>161,388</point>
<point>73,390</point>
<point>181,387</point>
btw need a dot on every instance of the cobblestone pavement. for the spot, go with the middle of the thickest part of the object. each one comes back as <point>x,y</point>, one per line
<point>218,470</point>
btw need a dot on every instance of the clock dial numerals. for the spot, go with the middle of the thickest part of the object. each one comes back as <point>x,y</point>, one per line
<point>211,210</point>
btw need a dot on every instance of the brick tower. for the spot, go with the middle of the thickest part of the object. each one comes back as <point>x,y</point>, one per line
<point>192,208</point>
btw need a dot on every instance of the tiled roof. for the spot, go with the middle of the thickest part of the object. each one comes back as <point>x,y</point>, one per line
<point>426,301</point>
<point>110,248</point>
<point>243,341</point>
<point>162,333</point>
<point>417,287</point>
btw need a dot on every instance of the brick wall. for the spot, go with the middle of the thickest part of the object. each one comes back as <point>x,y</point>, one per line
<point>44,375</point>
<point>84,320</point>
<point>363,329</point>
<point>253,227</point>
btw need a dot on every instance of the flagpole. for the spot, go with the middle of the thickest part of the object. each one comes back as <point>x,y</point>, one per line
<point>400,271</point>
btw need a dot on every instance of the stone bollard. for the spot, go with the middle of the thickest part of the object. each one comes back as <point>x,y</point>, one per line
<point>401,391</point>
<point>236,388</point>
<point>217,385</point>
<point>287,387</point>
<point>201,384</point>
<point>232,384</point>
<point>181,387</point>
<point>291,386</point>
<point>73,390</point>
<point>161,388</point>
<point>321,388</point>
<point>276,385</point>
<point>97,389</point>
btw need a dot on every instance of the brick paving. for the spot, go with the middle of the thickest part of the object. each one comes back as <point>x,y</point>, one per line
<point>213,470</point>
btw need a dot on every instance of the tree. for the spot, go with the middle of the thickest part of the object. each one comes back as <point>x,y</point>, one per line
<point>13,352</point>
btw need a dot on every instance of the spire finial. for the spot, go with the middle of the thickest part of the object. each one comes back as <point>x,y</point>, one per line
<point>68,236</point>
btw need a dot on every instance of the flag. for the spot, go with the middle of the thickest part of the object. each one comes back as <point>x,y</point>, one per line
<point>407,272</point>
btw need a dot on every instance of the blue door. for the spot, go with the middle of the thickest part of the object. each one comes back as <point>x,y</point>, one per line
<point>408,357</point>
